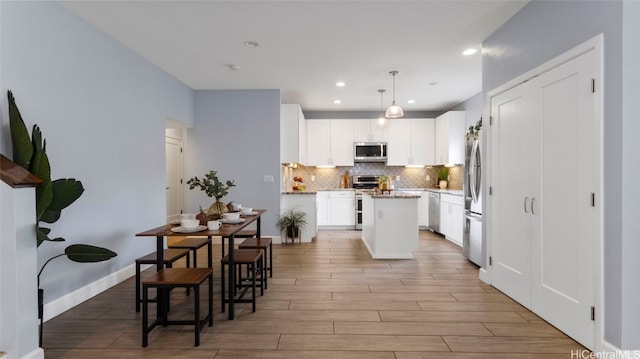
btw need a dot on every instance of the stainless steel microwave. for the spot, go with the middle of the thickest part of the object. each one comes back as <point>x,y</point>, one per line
<point>369,151</point>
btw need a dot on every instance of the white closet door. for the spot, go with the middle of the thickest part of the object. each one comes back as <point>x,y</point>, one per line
<point>563,276</point>
<point>514,150</point>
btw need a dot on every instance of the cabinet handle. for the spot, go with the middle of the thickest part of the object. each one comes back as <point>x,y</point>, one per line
<point>525,204</point>
<point>532,200</point>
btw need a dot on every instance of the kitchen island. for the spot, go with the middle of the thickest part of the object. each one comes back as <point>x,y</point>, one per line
<point>390,224</point>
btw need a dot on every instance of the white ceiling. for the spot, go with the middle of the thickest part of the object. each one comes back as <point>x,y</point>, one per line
<point>305,47</point>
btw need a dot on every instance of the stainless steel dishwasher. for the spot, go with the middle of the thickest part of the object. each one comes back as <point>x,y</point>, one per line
<point>434,211</point>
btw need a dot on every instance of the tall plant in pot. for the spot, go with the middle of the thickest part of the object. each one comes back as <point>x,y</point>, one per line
<point>213,187</point>
<point>291,222</point>
<point>30,152</point>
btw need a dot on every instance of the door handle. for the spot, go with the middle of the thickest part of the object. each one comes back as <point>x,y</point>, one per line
<point>525,204</point>
<point>532,200</point>
<point>167,187</point>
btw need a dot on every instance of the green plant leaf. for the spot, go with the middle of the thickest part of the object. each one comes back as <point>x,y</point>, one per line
<point>84,253</point>
<point>50,216</point>
<point>21,142</point>
<point>65,192</point>
<point>42,235</point>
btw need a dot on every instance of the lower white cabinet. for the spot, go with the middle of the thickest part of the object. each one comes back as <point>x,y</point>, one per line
<point>452,217</point>
<point>305,202</point>
<point>336,208</point>
<point>423,207</point>
<point>322,208</point>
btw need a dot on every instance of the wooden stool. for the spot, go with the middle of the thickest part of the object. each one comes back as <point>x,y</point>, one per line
<point>264,244</point>
<point>252,259</point>
<point>171,278</point>
<point>193,244</point>
<point>245,233</point>
<point>170,256</point>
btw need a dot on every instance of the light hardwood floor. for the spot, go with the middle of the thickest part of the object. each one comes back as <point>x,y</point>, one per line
<point>328,299</point>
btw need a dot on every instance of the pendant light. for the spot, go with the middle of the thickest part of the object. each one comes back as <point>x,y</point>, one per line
<point>394,111</point>
<point>382,119</point>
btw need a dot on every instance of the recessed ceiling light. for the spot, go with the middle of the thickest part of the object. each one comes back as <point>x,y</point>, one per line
<point>468,52</point>
<point>337,102</point>
<point>251,44</point>
<point>341,84</point>
<point>411,101</point>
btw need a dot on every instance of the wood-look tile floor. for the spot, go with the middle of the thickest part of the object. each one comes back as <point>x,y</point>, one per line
<point>327,299</point>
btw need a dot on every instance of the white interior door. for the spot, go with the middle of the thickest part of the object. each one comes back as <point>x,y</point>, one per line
<point>514,150</point>
<point>174,178</point>
<point>563,277</point>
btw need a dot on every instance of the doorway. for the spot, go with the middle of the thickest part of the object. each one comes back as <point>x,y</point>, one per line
<point>174,168</point>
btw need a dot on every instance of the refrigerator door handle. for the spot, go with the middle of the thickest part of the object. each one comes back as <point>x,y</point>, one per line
<point>470,215</point>
<point>473,176</point>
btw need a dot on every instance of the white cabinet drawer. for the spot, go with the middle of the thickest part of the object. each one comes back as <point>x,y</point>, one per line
<point>449,198</point>
<point>342,194</point>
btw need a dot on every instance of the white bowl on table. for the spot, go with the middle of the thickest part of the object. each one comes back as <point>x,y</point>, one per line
<point>189,223</point>
<point>236,207</point>
<point>246,210</point>
<point>231,216</point>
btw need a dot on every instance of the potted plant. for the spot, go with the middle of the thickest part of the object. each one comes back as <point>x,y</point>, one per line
<point>443,177</point>
<point>292,221</point>
<point>213,187</point>
<point>29,151</point>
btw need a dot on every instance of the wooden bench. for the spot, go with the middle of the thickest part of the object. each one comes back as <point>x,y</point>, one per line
<point>252,260</point>
<point>169,278</point>
<point>170,256</point>
<point>193,244</point>
<point>266,245</point>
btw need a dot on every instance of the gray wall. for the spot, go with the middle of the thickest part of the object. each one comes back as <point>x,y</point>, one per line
<point>536,34</point>
<point>474,106</point>
<point>630,288</point>
<point>102,110</point>
<point>237,133</point>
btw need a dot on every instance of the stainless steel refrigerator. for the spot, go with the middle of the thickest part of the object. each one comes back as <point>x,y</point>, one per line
<point>472,241</point>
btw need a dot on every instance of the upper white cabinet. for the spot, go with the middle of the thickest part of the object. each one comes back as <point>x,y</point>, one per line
<point>411,142</point>
<point>293,134</point>
<point>449,135</point>
<point>368,131</point>
<point>329,143</point>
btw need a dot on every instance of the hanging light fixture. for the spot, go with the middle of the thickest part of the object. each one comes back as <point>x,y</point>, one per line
<point>382,119</point>
<point>394,111</point>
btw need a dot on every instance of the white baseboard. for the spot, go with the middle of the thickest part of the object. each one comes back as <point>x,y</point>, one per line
<point>484,276</point>
<point>64,303</point>
<point>35,354</point>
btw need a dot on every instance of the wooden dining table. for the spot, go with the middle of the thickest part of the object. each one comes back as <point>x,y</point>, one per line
<point>226,231</point>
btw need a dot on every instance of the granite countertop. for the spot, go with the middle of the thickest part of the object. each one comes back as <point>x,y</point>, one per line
<point>299,192</point>
<point>390,194</point>
<point>455,192</point>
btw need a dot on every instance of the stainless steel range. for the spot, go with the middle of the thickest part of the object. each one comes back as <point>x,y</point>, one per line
<point>362,182</point>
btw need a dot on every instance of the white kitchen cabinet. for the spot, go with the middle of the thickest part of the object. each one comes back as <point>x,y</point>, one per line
<point>410,142</point>
<point>452,217</point>
<point>342,208</point>
<point>449,138</point>
<point>369,131</point>
<point>329,142</point>
<point>336,209</point>
<point>322,208</point>
<point>423,207</point>
<point>305,202</point>
<point>293,134</point>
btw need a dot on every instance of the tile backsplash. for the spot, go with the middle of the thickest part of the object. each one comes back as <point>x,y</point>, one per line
<point>329,178</point>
